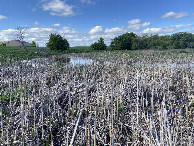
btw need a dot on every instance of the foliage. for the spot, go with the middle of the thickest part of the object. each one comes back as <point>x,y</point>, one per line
<point>33,44</point>
<point>100,45</point>
<point>123,42</point>
<point>57,42</point>
<point>3,43</point>
<point>130,41</point>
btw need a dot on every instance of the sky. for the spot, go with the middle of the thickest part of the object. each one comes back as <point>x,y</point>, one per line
<point>83,22</point>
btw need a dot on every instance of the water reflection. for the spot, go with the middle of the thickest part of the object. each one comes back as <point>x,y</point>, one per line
<point>80,61</point>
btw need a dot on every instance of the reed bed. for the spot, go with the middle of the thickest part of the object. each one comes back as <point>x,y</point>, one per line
<point>116,100</point>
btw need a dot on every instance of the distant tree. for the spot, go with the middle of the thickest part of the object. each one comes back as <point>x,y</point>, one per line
<point>177,45</point>
<point>182,40</point>
<point>123,42</point>
<point>100,45</point>
<point>3,43</point>
<point>130,41</point>
<point>57,42</point>
<point>33,44</point>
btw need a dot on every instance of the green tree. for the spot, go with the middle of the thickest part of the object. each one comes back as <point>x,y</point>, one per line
<point>182,40</point>
<point>100,45</point>
<point>3,43</point>
<point>123,42</point>
<point>33,44</point>
<point>176,45</point>
<point>57,42</point>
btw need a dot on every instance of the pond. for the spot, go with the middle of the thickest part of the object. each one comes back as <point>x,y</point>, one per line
<point>80,61</point>
<point>77,61</point>
<point>74,61</point>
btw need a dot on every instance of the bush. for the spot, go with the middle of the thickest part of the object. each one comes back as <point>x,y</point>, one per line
<point>57,42</point>
<point>100,45</point>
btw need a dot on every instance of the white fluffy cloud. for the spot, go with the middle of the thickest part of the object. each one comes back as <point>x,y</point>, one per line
<point>58,8</point>
<point>88,2</point>
<point>36,23</point>
<point>136,24</point>
<point>6,35</point>
<point>57,24</point>
<point>165,30</point>
<point>115,30</point>
<point>2,17</point>
<point>40,34</point>
<point>174,15</point>
<point>67,30</point>
<point>109,33</point>
<point>134,21</point>
<point>95,30</point>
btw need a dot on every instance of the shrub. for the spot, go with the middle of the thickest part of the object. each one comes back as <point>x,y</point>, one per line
<point>100,45</point>
<point>57,42</point>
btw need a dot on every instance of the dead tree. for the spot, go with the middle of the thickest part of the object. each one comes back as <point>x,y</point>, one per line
<point>21,32</point>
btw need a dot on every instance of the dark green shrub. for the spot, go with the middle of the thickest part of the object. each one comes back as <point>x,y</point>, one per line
<point>57,42</point>
<point>100,45</point>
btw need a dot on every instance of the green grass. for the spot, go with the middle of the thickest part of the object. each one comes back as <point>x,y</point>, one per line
<point>17,53</point>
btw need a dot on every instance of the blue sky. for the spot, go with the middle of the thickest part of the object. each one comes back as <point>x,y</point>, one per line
<point>83,22</point>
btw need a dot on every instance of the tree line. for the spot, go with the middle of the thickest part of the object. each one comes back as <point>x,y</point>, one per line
<point>131,41</point>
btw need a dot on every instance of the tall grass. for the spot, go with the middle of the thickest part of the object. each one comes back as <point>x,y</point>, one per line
<point>123,100</point>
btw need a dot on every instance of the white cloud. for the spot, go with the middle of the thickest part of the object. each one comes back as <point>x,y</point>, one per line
<point>165,30</point>
<point>58,8</point>
<point>95,30</point>
<point>6,35</point>
<point>56,24</point>
<point>134,21</point>
<point>174,15</point>
<point>2,17</point>
<point>36,23</point>
<point>109,33</point>
<point>88,2</point>
<point>40,34</point>
<point>136,24</point>
<point>114,30</point>
<point>67,30</point>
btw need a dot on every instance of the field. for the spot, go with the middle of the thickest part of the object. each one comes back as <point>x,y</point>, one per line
<point>122,98</point>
